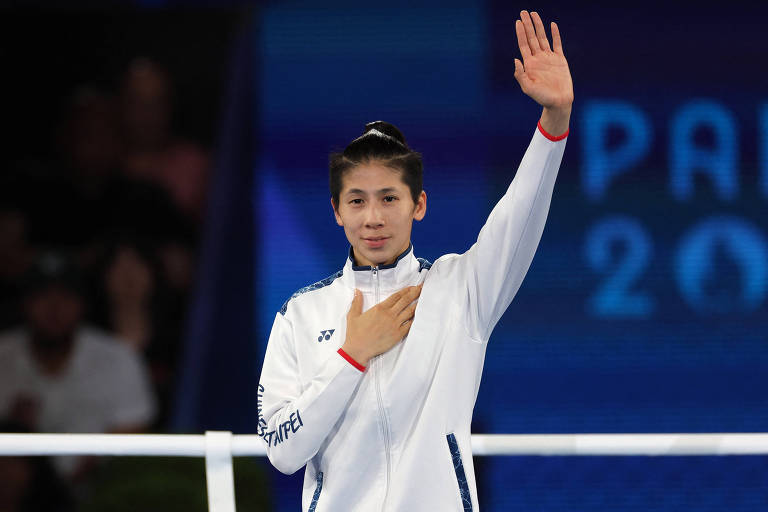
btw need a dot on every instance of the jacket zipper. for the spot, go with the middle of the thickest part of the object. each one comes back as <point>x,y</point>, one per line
<point>382,412</point>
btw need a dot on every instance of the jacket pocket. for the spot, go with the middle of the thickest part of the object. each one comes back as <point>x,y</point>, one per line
<point>318,489</point>
<point>458,467</point>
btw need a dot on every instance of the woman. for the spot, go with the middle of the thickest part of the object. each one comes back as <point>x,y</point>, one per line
<point>371,389</point>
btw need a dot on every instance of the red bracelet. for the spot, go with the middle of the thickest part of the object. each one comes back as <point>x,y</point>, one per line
<point>552,137</point>
<point>351,361</point>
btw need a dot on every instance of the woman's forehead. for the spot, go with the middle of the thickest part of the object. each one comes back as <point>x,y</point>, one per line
<point>372,177</point>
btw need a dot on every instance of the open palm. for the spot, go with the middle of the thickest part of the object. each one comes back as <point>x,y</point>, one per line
<point>543,74</point>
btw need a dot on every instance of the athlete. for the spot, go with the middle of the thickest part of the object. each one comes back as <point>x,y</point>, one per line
<point>370,375</point>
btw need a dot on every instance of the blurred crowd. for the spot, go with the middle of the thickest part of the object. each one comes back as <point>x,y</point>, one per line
<point>97,257</point>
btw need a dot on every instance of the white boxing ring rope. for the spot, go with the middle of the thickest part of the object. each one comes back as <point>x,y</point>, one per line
<point>218,448</point>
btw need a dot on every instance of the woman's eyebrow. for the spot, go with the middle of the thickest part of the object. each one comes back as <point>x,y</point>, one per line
<point>383,191</point>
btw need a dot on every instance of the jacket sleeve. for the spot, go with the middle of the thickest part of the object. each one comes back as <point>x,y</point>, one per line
<point>493,268</point>
<point>294,417</point>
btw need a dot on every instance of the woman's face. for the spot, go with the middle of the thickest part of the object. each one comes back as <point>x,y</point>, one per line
<point>129,278</point>
<point>377,212</point>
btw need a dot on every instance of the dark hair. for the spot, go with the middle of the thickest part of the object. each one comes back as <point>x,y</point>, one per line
<point>53,267</point>
<point>380,142</point>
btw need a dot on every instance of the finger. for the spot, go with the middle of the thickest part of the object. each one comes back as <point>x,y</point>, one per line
<point>541,34</point>
<point>356,309</point>
<point>557,43</point>
<point>412,293</point>
<point>530,33</point>
<point>404,328</point>
<point>519,69</point>
<point>407,313</point>
<point>522,41</point>
<point>520,75</point>
<point>392,299</point>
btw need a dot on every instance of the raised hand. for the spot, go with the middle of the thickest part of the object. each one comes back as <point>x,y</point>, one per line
<point>543,73</point>
<point>381,327</point>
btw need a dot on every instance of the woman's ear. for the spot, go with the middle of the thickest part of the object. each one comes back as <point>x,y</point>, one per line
<point>421,207</point>
<point>336,213</point>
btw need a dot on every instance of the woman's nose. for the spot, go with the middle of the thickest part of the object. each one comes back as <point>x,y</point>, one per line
<point>374,217</point>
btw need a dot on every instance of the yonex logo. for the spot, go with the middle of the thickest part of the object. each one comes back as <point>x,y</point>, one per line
<point>325,335</point>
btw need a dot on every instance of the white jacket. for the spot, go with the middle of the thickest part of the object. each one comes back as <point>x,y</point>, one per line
<point>395,436</point>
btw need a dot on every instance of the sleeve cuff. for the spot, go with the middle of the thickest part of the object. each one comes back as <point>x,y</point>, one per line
<point>351,361</point>
<point>551,137</point>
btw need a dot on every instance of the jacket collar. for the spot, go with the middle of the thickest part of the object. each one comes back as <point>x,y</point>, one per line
<point>390,277</point>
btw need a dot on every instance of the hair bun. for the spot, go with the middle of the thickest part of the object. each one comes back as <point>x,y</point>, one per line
<point>387,129</point>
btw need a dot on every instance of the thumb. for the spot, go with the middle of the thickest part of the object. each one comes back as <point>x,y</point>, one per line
<point>522,77</point>
<point>357,304</point>
<point>519,71</point>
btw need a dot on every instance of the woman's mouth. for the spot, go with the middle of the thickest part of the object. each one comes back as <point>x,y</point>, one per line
<point>375,242</point>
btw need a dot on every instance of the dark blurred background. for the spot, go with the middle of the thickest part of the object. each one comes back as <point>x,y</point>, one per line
<point>164,190</point>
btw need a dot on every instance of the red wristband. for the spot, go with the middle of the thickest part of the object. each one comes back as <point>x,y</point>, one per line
<point>351,361</point>
<point>552,137</point>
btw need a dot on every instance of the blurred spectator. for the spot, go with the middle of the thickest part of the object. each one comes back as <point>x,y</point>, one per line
<point>152,152</point>
<point>145,309</point>
<point>58,374</point>
<point>84,199</point>
<point>130,285</point>
<point>29,484</point>
<point>86,203</point>
<point>89,139</point>
<point>108,165</point>
<point>15,257</point>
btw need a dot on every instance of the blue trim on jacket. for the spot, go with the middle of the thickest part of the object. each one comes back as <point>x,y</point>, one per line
<point>318,489</point>
<point>381,267</point>
<point>461,477</point>
<point>423,265</point>
<point>312,287</point>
